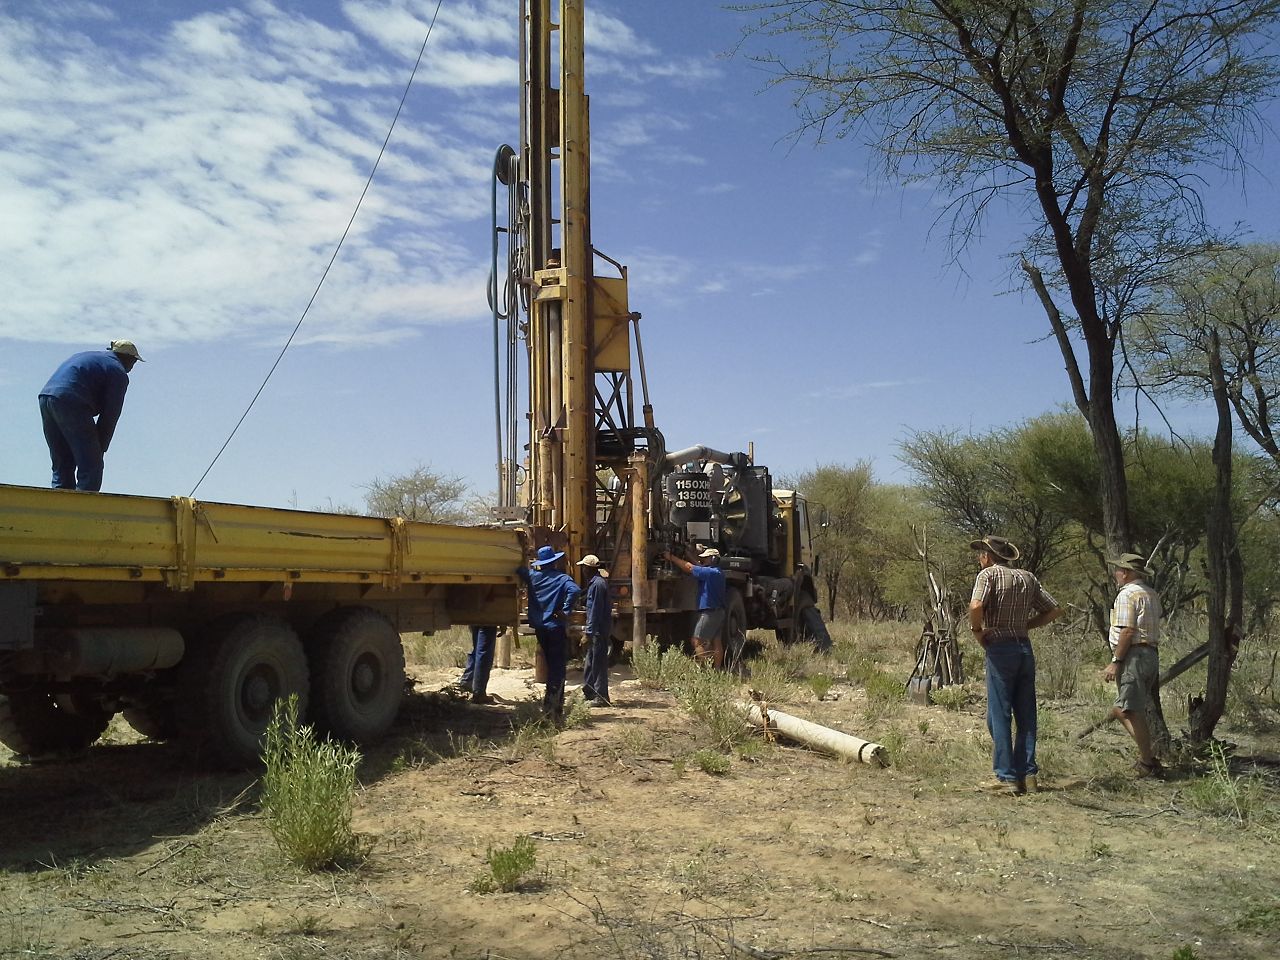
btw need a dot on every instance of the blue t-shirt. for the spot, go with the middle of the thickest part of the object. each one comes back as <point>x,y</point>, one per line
<point>549,591</point>
<point>710,587</point>
<point>599,610</point>
<point>97,380</point>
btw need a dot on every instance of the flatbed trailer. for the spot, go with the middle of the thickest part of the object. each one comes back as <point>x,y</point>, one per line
<point>193,617</point>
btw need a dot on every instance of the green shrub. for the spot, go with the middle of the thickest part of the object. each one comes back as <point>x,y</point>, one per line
<point>1259,916</point>
<point>647,663</point>
<point>882,688</point>
<point>953,697</point>
<point>711,761</point>
<point>773,681</point>
<point>820,684</point>
<point>307,792</point>
<point>1223,794</point>
<point>710,696</point>
<point>508,866</point>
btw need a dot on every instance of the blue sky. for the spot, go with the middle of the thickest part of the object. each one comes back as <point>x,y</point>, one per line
<point>178,173</point>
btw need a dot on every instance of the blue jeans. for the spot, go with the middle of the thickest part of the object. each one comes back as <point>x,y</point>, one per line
<point>74,447</point>
<point>475,676</point>
<point>595,670</point>
<point>555,652</point>
<point>1011,700</point>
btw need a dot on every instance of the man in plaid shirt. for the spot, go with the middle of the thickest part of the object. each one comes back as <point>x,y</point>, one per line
<point>1005,605</point>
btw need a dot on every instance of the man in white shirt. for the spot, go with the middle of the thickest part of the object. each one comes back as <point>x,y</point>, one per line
<point>1135,657</point>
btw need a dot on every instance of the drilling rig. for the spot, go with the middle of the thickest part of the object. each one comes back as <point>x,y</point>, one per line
<point>578,463</point>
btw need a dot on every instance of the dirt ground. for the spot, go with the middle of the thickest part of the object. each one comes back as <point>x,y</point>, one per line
<point>135,851</point>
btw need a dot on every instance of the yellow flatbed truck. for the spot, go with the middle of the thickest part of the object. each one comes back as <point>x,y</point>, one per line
<point>193,618</point>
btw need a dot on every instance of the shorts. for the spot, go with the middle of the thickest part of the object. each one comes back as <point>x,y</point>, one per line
<point>709,624</point>
<point>1136,683</point>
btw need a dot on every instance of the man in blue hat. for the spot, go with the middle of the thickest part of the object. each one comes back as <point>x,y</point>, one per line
<point>79,408</point>
<point>552,594</point>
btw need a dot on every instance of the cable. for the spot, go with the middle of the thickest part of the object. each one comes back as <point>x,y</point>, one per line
<point>297,326</point>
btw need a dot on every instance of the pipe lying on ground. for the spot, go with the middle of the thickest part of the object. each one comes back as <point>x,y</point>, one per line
<point>814,734</point>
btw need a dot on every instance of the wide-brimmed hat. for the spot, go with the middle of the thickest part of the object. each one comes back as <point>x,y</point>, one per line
<point>998,546</point>
<point>1130,561</point>
<point>125,348</point>
<point>709,552</point>
<point>592,561</point>
<point>547,554</point>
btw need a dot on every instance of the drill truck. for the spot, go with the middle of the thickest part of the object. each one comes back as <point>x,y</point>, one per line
<point>592,476</point>
<point>192,618</point>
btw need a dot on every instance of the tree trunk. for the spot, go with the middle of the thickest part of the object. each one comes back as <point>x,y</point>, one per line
<point>1113,482</point>
<point>833,589</point>
<point>1225,567</point>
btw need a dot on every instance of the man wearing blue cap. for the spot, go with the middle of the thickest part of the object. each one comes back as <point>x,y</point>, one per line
<point>552,594</point>
<point>79,408</point>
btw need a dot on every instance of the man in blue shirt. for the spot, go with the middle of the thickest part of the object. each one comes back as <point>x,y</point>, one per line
<point>87,386</point>
<point>552,594</point>
<point>595,670</point>
<point>708,641</point>
<point>475,676</point>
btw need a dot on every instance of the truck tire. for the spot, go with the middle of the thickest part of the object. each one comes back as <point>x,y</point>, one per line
<point>735,632</point>
<point>36,723</point>
<point>811,627</point>
<point>357,674</point>
<point>231,682</point>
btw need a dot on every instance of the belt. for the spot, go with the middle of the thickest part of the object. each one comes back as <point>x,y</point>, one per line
<point>1009,639</point>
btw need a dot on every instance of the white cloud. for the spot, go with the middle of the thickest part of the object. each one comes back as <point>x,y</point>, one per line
<point>851,390</point>
<point>192,172</point>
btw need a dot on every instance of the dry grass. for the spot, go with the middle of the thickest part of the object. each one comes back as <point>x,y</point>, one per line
<point>437,651</point>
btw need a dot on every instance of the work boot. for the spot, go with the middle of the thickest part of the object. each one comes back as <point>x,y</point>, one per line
<point>1013,787</point>
<point>481,698</point>
<point>1144,770</point>
<point>553,703</point>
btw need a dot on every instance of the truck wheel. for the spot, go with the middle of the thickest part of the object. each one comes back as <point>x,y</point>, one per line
<point>36,723</point>
<point>810,626</point>
<point>157,720</point>
<point>357,674</point>
<point>232,682</point>
<point>735,632</point>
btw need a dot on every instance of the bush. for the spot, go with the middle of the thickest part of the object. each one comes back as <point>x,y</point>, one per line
<point>712,762</point>
<point>647,663</point>
<point>307,792</point>
<point>820,684</point>
<point>507,867</point>
<point>1059,654</point>
<point>883,689</point>
<point>1221,793</point>
<point>953,697</point>
<point>710,697</point>
<point>773,681</point>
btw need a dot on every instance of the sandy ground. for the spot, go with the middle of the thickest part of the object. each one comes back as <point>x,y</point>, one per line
<point>135,851</point>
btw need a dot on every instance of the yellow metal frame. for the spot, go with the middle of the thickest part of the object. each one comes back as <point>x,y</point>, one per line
<point>57,534</point>
<point>578,323</point>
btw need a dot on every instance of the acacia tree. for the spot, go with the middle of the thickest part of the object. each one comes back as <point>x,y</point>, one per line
<point>1096,113</point>
<point>420,494</point>
<point>976,483</point>
<point>842,498</point>
<point>1215,332</point>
